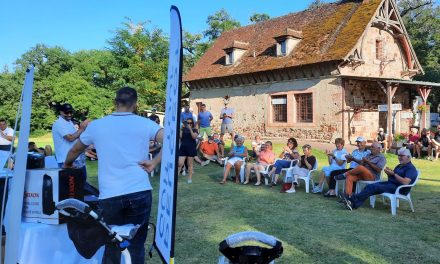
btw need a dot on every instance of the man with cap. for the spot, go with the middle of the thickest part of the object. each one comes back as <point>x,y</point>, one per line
<point>382,139</point>
<point>404,173</point>
<point>210,151</point>
<point>355,159</point>
<point>153,116</point>
<point>65,134</point>
<point>369,168</point>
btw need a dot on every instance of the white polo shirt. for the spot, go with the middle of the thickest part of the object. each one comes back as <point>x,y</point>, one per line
<point>121,140</point>
<point>61,128</point>
<point>8,132</point>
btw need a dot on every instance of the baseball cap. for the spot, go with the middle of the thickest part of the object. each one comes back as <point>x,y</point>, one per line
<point>360,139</point>
<point>210,137</point>
<point>381,129</point>
<point>404,151</point>
<point>66,108</point>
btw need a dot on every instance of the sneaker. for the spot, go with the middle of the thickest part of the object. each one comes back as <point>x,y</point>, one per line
<point>295,180</point>
<point>348,204</point>
<point>257,184</point>
<point>317,189</point>
<point>184,173</point>
<point>189,181</point>
<point>291,191</point>
<point>206,162</point>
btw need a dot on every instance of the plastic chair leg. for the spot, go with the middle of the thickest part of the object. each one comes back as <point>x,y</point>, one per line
<point>410,203</point>
<point>393,205</point>
<point>372,201</point>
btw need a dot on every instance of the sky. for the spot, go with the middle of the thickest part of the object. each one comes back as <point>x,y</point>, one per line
<point>87,24</point>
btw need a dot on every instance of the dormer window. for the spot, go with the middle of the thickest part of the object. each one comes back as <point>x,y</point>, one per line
<point>234,51</point>
<point>287,41</point>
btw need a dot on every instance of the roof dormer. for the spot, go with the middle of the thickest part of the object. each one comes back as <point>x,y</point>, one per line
<point>287,41</point>
<point>235,51</point>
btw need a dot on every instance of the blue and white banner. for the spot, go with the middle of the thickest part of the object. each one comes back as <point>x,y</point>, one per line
<point>166,215</point>
<point>15,200</point>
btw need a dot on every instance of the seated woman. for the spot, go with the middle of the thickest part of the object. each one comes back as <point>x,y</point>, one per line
<point>413,138</point>
<point>336,160</point>
<point>423,142</point>
<point>288,154</point>
<point>302,168</point>
<point>265,157</point>
<point>236,156</point>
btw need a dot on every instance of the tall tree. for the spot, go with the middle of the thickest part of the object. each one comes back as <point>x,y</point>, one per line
<point>315,4</point>
<point>256,17</point>
<point>422,21</point>
<point>218,23</point>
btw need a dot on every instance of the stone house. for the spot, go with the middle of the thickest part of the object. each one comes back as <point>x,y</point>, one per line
<point>318,74</point>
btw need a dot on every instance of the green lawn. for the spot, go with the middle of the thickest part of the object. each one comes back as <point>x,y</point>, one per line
<point>313,229</point>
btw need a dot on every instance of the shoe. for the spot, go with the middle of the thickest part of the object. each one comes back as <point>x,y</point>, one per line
<point>189,181</point>
<point>222,182</point>
<point>245,182</point>
<point>348,204</point>
<point>317,189</point>
<point>291,191</point>
<point>257,184</point>
<point>206,162</point>
<point>328,194</point>
<point>184,173</point>
<point>295,180</point>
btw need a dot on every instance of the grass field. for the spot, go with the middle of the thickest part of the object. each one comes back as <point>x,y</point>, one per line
<point>313,229</point>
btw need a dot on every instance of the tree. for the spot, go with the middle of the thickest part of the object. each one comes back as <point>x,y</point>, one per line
<point>218,23</point>
<point>193,48</point>
<point>256,17</point>
<point>315,4</point>
<point>422,21</point>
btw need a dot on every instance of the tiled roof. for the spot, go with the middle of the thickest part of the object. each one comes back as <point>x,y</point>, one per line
<point>329,33</point>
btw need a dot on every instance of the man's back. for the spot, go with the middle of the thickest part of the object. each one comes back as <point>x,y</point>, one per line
<point>121,141</point>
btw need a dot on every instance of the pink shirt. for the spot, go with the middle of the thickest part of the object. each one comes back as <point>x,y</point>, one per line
<point>266,157</point>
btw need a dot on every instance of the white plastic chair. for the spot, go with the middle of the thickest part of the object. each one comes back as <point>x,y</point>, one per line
<point>307,179</point>
<point>50,162</point>
<point>394,197</point>
<point>361,183</point>
<point>265,173</point>
<point>242,169</point>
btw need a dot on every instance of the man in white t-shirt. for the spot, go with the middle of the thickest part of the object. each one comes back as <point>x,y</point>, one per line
<point>65,135</point>
<point>122,141</point>
<point>6,136</point>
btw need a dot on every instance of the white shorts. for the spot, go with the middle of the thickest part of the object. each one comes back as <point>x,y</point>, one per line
<point>233,160</point>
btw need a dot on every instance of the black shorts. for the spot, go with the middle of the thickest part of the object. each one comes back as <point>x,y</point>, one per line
<point>187,151</point>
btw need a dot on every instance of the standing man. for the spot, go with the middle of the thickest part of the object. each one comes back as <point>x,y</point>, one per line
<point>6,136</point>
<point>122,142</point>
<point>64,136</point>
<point>204,121</point>
<point>153,117</point>
<point>226,115</point>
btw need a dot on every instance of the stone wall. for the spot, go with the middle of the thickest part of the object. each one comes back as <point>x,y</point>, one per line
<point>365,120</point>
<point>253,108</point>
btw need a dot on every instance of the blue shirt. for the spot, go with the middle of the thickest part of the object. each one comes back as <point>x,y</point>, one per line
<point>357,154</point>
<point>205,119</point>
<point>239,150</point>
<point>406,171</point>
<point>185,116</point>
<point>228,111</point>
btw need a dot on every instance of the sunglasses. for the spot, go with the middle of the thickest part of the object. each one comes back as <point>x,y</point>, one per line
<point>189,123</point>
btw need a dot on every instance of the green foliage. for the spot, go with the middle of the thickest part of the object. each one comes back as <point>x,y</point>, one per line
<point>422,21</point>
<point>257,17</point>
<point>218,23</point>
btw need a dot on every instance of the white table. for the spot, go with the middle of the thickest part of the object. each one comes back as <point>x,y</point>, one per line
<point>50,244</point>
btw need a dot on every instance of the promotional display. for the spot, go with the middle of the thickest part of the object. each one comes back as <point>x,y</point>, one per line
<point>166,215</point>
<point>46,187</point>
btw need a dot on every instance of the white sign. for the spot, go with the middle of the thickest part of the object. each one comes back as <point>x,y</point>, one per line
<point>166,213</point>
<point>394,107</point>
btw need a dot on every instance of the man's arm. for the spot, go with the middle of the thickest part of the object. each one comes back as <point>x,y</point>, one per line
<point>74,152</point>
<point>74,136</point>
<point>149,165</point>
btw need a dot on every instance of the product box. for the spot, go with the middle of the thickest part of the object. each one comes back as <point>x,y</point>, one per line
<point>46,187</point>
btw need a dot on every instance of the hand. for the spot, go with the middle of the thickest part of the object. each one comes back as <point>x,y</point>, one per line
<point>147,165</point>
<point>389,171</point>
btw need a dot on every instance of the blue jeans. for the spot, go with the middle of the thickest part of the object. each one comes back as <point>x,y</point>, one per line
<point>281,164</point>
<point>372,189</point>
<point>133,208</point>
